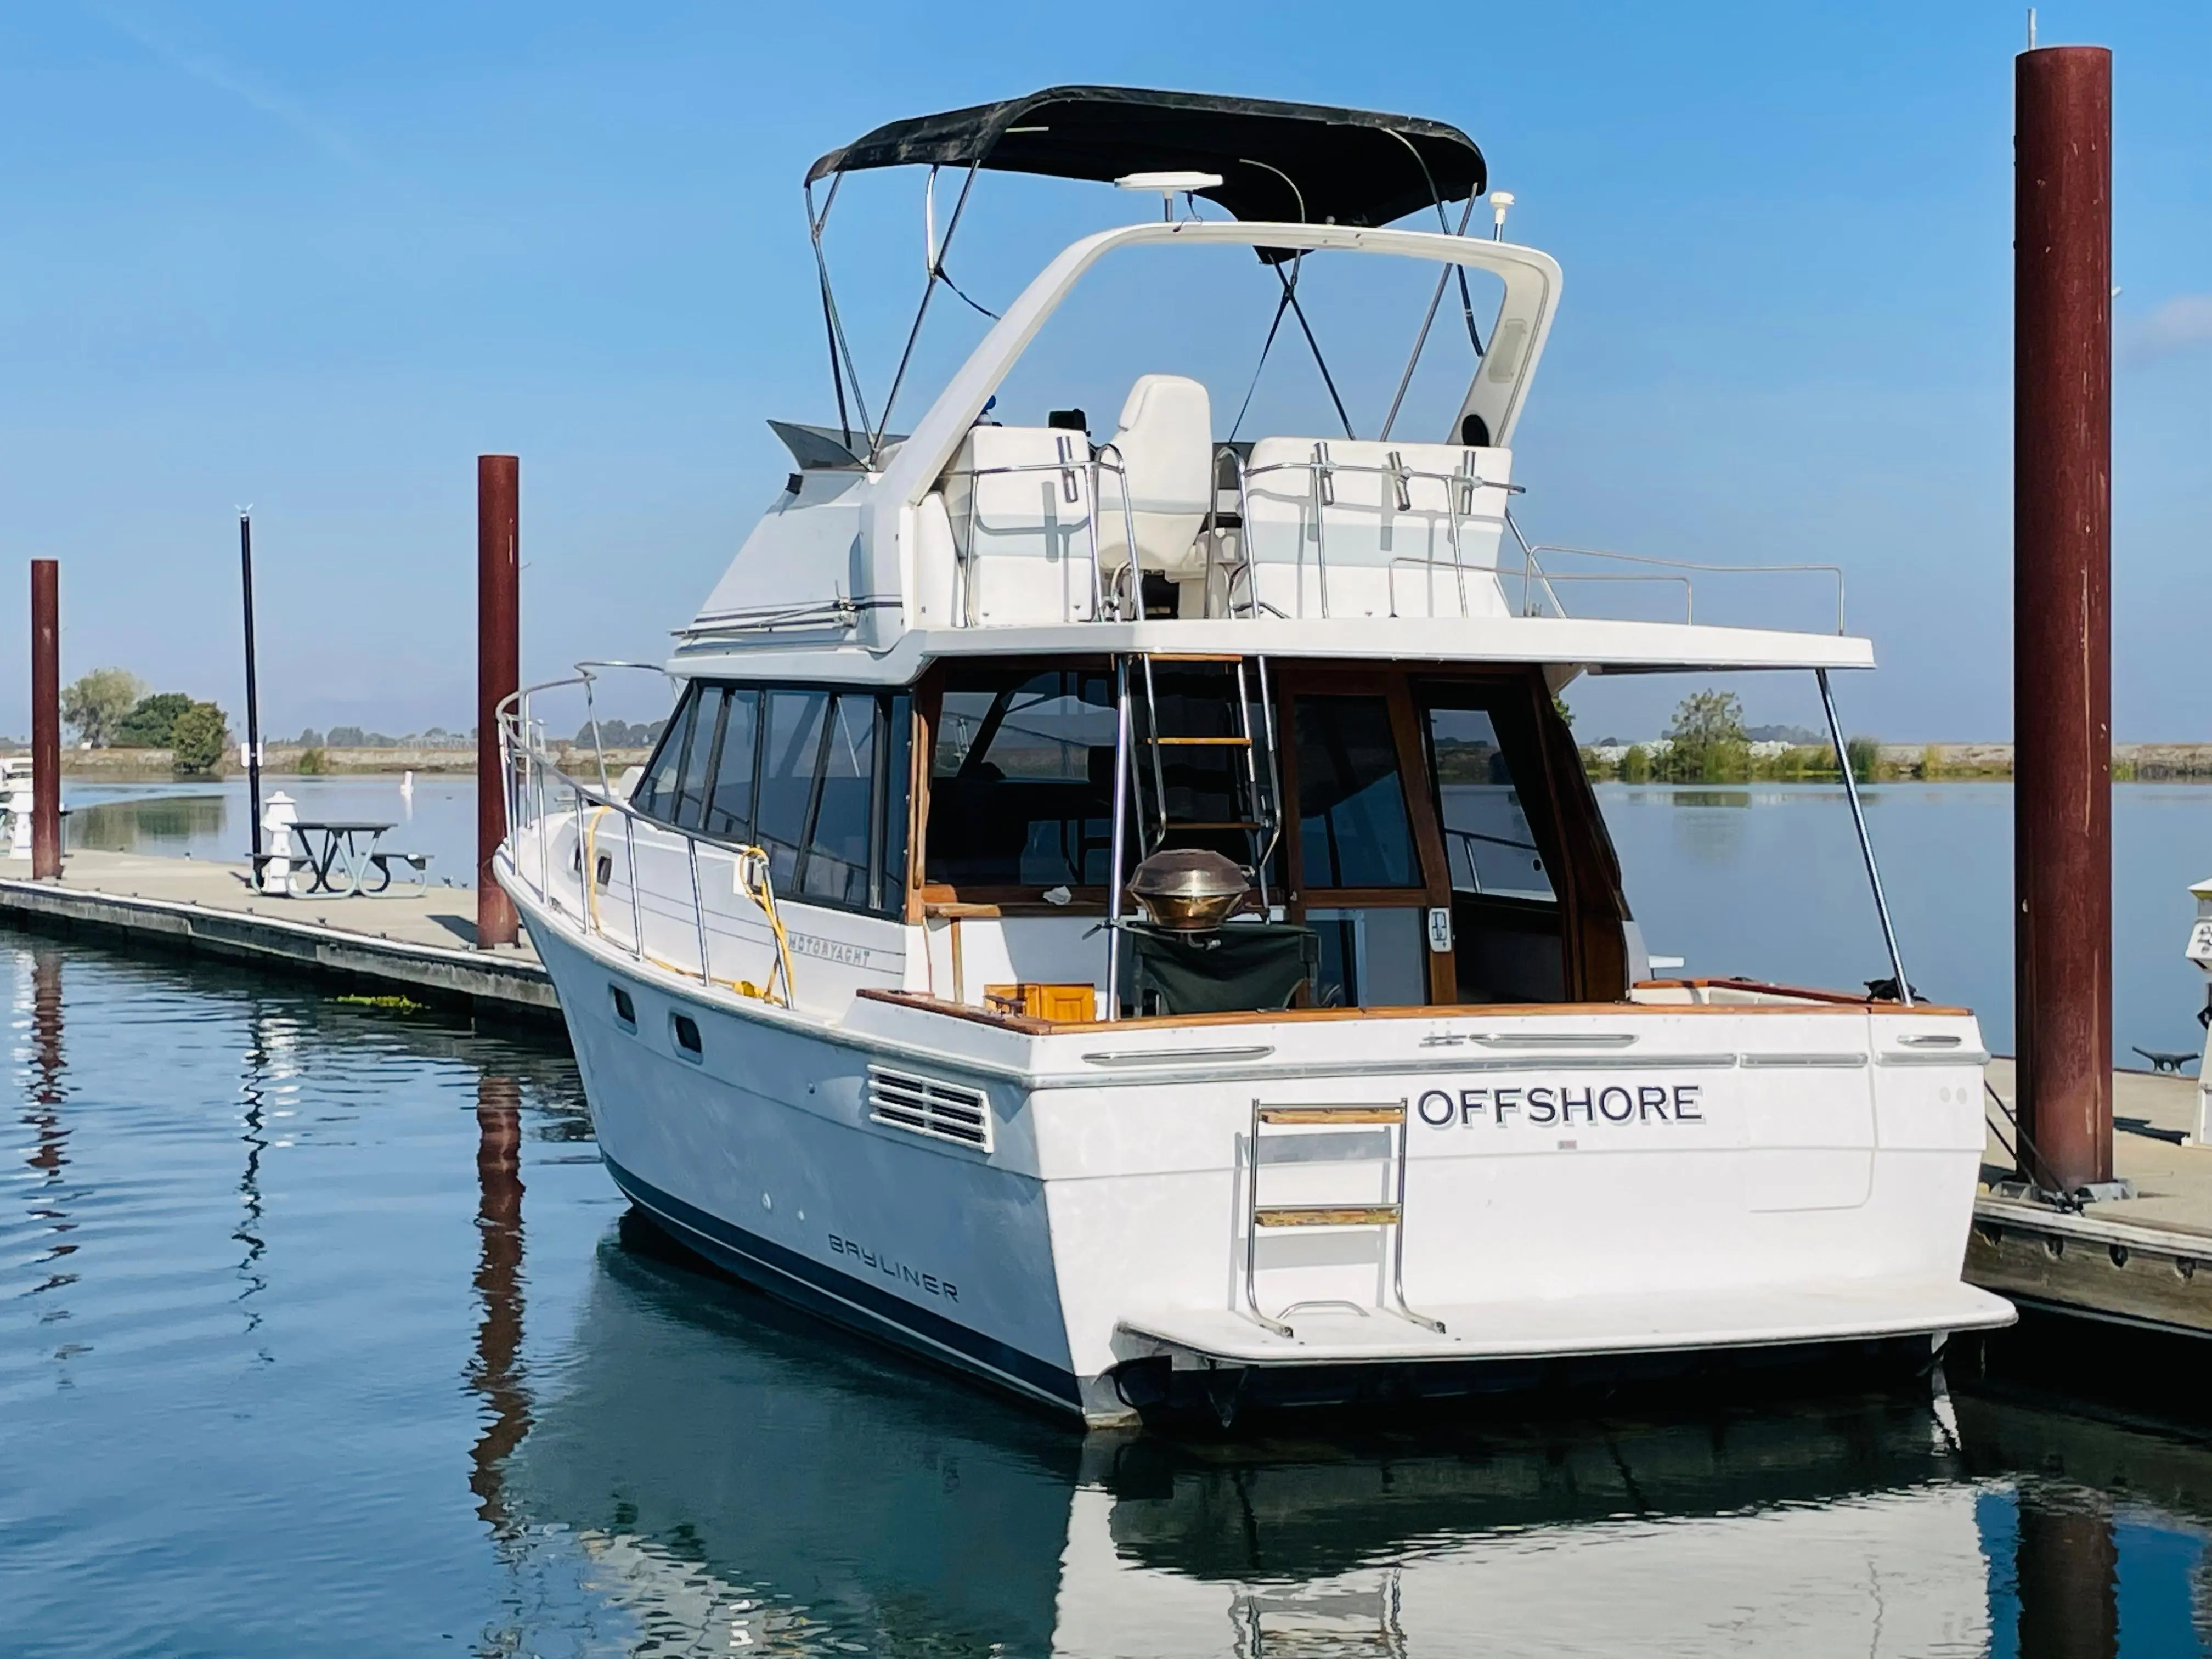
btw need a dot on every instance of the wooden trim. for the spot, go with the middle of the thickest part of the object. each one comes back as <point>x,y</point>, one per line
<point>977,1015</point>
<point>1334,1114</point>
<point>928,704</point>
<point>1843,996</point>
<point>1016,900</point>
<point>1366,898</point>
<point>1829,1003</point>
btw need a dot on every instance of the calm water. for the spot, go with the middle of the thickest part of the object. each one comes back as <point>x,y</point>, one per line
<point>1763,880</point>
<point>321,1331</point>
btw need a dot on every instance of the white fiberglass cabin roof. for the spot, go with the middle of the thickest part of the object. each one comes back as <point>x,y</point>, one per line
<point>966,537</point>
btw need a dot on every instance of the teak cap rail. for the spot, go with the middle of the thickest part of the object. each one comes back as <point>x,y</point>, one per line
<point>1394,1114</point>
<point>1326,1215</point>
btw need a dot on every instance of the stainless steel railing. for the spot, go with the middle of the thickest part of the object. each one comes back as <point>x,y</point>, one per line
<point>1104,605</point>
<point>541,797</point>
<point>1460,489</point>
<point>1675,571</point>
<point>1537,581</point>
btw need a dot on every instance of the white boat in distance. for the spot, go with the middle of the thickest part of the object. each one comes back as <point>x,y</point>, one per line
<point>1125,916</point>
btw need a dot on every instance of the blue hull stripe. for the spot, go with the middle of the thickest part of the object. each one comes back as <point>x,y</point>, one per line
<point>840,1296</point>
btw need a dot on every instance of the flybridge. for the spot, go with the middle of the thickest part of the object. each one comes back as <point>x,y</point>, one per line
<point>1259,159</point>
<point>985,522</point>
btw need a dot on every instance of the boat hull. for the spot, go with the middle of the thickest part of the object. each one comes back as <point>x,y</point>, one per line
<point>1092,1255</point>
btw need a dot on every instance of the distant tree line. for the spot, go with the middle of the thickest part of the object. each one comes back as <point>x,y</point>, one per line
<point>112,708</point>
<point>1707,743</point>
<point>621,734</point>
<point>353,737</point>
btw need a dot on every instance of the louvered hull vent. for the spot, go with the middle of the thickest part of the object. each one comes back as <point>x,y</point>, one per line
<point>945,1111</point>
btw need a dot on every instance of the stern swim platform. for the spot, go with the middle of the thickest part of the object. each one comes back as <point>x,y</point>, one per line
<point>1578,1328</point>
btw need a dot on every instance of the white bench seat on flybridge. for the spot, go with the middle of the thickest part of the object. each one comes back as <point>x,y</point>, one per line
<point>1340,528</point>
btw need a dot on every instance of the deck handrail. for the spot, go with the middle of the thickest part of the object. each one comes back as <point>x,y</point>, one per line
<point>535,784</point>
<point>1530,550</point>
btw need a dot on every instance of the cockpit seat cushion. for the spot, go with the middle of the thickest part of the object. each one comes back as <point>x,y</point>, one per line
<point>1019,489</point>
<point>1163,447</point>
<point>1017,504</point>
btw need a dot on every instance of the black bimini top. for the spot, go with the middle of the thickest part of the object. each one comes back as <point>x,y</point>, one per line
<point>1303,163</point>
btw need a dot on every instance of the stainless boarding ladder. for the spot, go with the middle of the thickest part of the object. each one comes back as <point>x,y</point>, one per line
<point>1253,788</point>
<point>1390,1116</point>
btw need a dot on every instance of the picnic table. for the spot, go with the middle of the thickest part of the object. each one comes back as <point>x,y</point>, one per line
<point>340,854</point>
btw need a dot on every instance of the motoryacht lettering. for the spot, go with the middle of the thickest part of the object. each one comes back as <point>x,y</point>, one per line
<point>1140,864</point>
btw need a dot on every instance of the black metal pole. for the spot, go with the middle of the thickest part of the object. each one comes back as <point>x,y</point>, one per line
<point>252,691</point>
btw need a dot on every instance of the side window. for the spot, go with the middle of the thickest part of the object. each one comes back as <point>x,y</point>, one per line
<point>818,778</point>
<point>655,795</point>
<point>836,864</point>
<point>730,813</point>
<point>1351,805</point>
<point>692,772</point>
<point>1021,790</point>
<point>1488,838</point>
<point>791,747</point>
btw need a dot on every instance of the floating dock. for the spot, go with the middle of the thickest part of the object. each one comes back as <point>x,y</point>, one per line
<point>2144,1261</point>
<point>419,945</point>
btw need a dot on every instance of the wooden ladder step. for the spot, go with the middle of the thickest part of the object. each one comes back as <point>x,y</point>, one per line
<point>1205,743</point>
<point>1225,824</point>
<point>1326,1215</point>
<point>1390,1114</point>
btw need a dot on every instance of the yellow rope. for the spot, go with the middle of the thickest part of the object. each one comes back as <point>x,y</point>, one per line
<point>753,874</point>
<point>752,877</point>
<point>591,865</point>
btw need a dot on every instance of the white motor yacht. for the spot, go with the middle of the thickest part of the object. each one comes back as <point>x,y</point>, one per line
<point>1123,915</point>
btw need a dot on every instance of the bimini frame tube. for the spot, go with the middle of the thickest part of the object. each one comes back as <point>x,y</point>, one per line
<point>1866,845</point>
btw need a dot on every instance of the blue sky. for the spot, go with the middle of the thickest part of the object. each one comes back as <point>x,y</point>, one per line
<point>316,257</point>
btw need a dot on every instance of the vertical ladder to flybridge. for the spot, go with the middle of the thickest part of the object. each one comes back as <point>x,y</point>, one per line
<point>1315,1121</point>
<point>1253,787</point>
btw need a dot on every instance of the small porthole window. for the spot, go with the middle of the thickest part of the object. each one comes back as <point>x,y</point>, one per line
<point>603,872</point>
<point>687,1034</point>
<point>625,1010</point>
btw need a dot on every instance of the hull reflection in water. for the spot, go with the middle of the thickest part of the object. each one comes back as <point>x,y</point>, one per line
<point>739,1480</point>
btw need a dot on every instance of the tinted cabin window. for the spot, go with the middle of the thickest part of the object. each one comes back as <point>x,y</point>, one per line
<point>730,810</point>
<point>655,795</point>
<point>1022,781</point>
<point>1351,807</point>
<point>688,806</point>
<point>791,749</point>
<point>1487,839</point>
<point>836,863</point>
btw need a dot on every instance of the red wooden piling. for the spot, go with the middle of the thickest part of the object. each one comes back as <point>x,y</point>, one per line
<point>2066,1566</point>
<point>498,675</point>
<point>2062,616</point>
<point>497,1376</point>
<point>45,720</point>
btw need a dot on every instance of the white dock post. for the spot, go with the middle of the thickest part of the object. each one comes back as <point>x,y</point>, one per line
<point>279,814</point>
